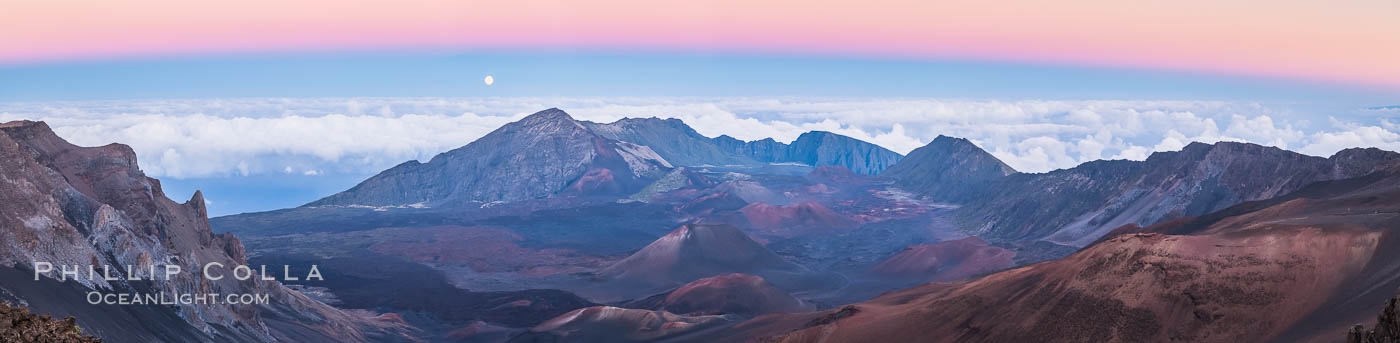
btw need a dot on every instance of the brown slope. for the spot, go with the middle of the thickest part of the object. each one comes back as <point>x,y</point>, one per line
<point>1298,269</point>
<point>614,324</point>
<point>945,261</point>
<point>802,219</point>
<point>740,294</point>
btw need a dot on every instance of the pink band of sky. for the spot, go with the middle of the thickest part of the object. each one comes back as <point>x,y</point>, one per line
<point>1353,42</point>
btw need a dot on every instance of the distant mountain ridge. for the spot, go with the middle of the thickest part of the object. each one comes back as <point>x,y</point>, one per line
<point>950,169</point>
<point>682,145</point>
<point>538,156</point>
<point>816,148</point>
<point>675,141</point>
<point>1075,206</point>
<point>550,152</point>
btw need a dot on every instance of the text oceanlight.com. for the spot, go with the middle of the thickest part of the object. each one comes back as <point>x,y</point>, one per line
<point>212,271</point>
<point>162,298</point>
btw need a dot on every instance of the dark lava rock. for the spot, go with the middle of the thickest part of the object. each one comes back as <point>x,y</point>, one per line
<point>1387,328</point>
<point>18,325</point>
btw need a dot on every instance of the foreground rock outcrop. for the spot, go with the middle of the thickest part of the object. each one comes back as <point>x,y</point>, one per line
<point>18,325</point>
<point>1387,328</point>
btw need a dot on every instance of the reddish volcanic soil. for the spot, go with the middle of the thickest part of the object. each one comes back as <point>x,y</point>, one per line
<point>596,180</point>
<point>613,324</point>
<point>1300,268</point>
<point>807,218</point>
<point>479,331</point>
<point>946,261</point>
<point>696,251</point>
<point>741,294</point>
<point>1133,288</point>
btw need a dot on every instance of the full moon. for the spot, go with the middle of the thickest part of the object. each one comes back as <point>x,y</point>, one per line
<point>489,80</point>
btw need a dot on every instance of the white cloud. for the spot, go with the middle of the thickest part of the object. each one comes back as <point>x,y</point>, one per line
<point>1350,135</point>
<point>213,137</point>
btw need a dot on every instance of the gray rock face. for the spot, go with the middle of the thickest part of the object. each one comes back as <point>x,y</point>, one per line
<point>544,154</point>
<point>765,149</point>
<point>816,148</point>
<point>948,169</point>
<point>1075,206</point>
<point>682,146</point>
<point>672,139</point>
<point>70,205</point>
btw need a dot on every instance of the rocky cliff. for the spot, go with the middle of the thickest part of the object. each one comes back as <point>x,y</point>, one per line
<point>816,148</point>
<point>79,206</point>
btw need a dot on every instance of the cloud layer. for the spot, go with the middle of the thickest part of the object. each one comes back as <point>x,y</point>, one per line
<point>193,138</point>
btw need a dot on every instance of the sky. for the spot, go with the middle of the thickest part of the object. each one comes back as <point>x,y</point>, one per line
<point>1353,41</point>
<point>271,104</point>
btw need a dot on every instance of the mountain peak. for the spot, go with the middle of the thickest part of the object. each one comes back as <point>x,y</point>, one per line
<point>24,123</point>
<point>35,133</point>
<point>949,168</point>
<point>560,155</point>
<point>552,114</point>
